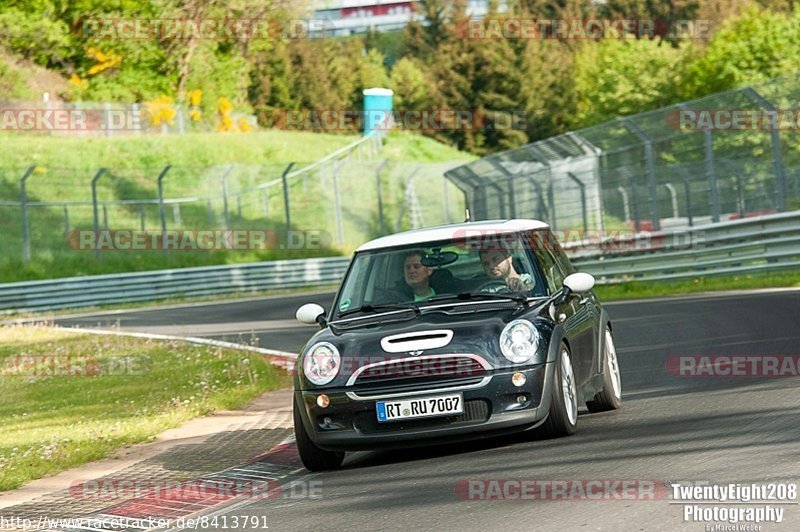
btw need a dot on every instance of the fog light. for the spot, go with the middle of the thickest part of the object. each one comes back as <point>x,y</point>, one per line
<point>327,420</point>
<point>323,401</point>
<point>518,379</point>
<point>521,399</point>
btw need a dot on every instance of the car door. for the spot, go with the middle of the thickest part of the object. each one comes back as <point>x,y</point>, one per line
<point>587,313</point>
<point>579,311</point>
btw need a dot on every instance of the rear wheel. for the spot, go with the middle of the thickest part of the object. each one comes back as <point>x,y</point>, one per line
<point>563,417</point>
<point>610,397</point>
<point>313,458</point>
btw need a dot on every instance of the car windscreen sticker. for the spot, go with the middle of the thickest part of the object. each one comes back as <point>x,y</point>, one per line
<point>344,305</point>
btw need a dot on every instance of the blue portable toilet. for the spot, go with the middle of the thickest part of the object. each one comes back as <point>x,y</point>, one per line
<point>378,106</point>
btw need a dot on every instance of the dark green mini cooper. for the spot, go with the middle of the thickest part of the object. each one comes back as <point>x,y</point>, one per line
<point>451,333</point>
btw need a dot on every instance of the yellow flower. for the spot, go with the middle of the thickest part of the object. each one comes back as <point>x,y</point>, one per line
<point>78,82</point>
<point>225,106</point>
<point>195,97</point>
<point>39,169</point>
<point>244,125</point>
<point>104,60</point>
<point>160,110</point>
<point>225,122</point>
<point>195,115</point>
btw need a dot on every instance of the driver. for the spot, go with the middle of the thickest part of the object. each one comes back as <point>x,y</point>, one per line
<point>499,264</point>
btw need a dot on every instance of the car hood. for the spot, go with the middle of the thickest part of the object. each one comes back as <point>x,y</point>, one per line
<point>475,330</point>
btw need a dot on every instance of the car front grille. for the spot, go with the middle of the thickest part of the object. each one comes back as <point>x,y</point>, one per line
<point>475,411</point>
<point>420,371</point>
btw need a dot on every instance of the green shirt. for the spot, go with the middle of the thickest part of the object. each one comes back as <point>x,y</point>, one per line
<point>426,296</point>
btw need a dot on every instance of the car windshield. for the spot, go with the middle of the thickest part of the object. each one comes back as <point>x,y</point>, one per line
<point>386,280</point>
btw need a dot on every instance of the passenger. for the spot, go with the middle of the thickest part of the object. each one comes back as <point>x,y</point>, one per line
<point>499,264</point>
<point>417,276</point>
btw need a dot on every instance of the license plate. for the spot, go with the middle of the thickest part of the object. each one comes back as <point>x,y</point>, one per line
<point>440,405</point>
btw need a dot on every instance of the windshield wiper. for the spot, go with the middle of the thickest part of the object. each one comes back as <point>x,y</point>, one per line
<point>378,308</point>
<point>477,296</point>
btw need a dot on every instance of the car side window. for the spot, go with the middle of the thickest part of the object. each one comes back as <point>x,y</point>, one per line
<point>561,257</point>
<point>550,268</point>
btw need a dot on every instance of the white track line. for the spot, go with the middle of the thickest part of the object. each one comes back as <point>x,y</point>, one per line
<point>288,358</point>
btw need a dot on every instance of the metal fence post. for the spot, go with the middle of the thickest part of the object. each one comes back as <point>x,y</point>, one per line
<point>582,187</point>
<point>225,197</point>
<point>380,199</point>
<point>162,212</point>
<point>673,194</point>
<point>446,198</point>
<point>626,205</point>
<point>141,218</point>
<point>688,191</point>
<point>651,171</point>
<point>97,176</point>
<point>716,209</point>
<point>775,144</point>
<point>336,204</point>
<point>23,203</point>
<point>66,222</point>
<point>286,201</point>
<point>265,201</point>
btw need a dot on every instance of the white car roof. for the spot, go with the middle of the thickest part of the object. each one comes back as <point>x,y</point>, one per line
<point>445,232</point>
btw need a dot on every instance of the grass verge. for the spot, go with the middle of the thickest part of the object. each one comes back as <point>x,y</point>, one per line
<point>69,399</point>
<point>642,290</point>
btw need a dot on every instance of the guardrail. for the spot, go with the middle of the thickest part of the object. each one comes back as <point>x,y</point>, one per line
<point>76,292</point>
<point>762,244</point>
<point>752,245</point>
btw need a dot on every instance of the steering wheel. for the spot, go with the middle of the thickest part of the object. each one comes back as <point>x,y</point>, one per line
<point>495,286</point>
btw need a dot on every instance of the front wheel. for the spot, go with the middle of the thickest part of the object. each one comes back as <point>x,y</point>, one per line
<point>313,458</point>
<point>563,417</point>
<point>610,397</point>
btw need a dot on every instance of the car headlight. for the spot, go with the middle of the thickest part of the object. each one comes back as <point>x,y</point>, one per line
<point>321,363</point>
<point>519,341</point>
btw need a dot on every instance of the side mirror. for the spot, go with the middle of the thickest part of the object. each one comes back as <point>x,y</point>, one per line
<point>579,283</point>
<point>311,313</point>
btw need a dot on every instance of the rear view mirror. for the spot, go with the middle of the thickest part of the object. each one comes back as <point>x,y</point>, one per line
<point>310,313</point>
<point>437,258</point>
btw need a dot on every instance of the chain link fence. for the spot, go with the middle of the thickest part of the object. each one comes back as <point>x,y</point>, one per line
<point>731,155</point>
<point>305,209</point>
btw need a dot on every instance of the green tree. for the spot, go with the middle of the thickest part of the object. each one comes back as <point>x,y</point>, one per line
<point>758,46</point>
<point>412,90</point>
<point>614,78</point>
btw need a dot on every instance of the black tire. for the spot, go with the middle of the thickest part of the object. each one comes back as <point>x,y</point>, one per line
<point>313,458</point>
<point>562,420</point>
<point>610,397</point>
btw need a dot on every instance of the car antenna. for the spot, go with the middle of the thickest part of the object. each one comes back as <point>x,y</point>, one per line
<point>467,219</point>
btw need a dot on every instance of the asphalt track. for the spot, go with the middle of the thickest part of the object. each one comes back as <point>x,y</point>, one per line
<point>671,428</point>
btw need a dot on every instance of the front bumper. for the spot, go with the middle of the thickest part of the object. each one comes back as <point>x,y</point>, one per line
<point>490,409</point>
